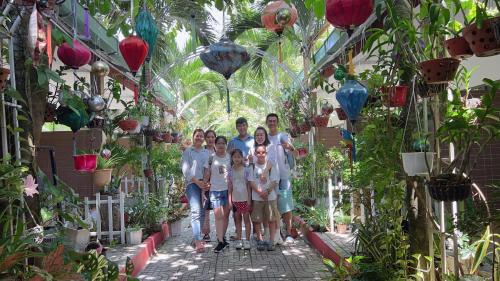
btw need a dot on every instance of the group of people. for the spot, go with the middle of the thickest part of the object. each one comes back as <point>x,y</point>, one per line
<point>249,176</point>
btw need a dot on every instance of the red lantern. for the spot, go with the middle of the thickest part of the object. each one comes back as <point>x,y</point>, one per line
<point>347,14</point>
<point>74,57</point>
<point>134,50</point>
<point>277,15</point>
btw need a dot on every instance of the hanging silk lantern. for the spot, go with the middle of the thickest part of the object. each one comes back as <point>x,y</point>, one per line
<point>277,15</point>
<point>72,119</point>
<point>134,51</point>
<point>145,26</point>
<point>351,97</point>
<point>74,57</point>
<point>347,14</point>
<point>225,57</point>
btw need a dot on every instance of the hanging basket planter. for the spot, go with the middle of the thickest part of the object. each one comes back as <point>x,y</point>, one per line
<point>484,42</point>
<point>415,163</point>
<point>304,127</point>
<point>439,71</point>
<point>341,113</point>
<point>321,121</point>
<point>128,125</point>
<point>101,177</point>
<point>85,163</point>
<point>302,152</point>
<point>449,187</point>
<point>327,71</point>
<point>425,90</point>
<point>394,96</point>
<point>458,48</point>
<point>326,109</point>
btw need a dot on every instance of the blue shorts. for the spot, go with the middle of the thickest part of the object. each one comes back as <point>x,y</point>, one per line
<point>285,197</point>
<point>219,198</point>
<point>285,184</point>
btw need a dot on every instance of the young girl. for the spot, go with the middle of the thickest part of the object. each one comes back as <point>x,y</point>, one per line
<point>216,176</point>
<point>241,197</point>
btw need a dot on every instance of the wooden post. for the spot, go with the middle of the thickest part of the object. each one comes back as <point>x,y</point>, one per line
<point>122,218</point>
<point>110,218</point>
<point>98,210</point>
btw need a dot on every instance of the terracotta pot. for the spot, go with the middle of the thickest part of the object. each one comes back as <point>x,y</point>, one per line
<point>85,162</point>
<point>128,124</point>
<point>102,177</point>
<point>321,121</point>
<point>148,173</point>
<point>304,127</point>
<point>167,137</point>
<point>396,96</point>
<point>439,71</point>
<point>458,48</point>
<point>4,75</point>
<point>327,71</point>
<point>483,42</point>
<point>341,228</point>
<point>326,109</point>
<point>449,187</point>
<point>341,113</point>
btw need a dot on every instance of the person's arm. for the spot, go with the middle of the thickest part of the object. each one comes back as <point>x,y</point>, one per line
<point>274,178</point>
<point>206,178</point>
<point>186,165</point>
<point>286,143</point>
<point>255,187</point>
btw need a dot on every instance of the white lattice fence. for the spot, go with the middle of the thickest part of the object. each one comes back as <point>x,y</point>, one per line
<point>108,202</point>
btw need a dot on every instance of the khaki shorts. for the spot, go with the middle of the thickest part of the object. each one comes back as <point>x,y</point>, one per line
<point>265,211</point>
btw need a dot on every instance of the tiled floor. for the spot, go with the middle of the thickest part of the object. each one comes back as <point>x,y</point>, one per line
<point>177,260</point>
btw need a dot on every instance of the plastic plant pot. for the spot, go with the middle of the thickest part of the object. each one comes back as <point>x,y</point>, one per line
<point>85,163</point>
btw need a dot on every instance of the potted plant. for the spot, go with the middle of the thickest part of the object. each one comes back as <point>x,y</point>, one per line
<point>85,163</point>
<point>480,25</point>
<point>341,113</point>
<point>106,161</point>
<point>176,212</point>
<point>133,235</point>
<point>468,129</point>
<point>321,120</point>
<point>394,96</point>
<point>326,108</point>
<point>317,217</point>
<point>129,118</point>
<point>342,221</point>
<point>420,161</point>
<point>4,75</point>
<point>457,46</point>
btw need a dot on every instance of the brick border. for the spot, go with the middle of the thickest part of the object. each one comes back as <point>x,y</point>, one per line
<point>315,240</point>
<point>146,250</point>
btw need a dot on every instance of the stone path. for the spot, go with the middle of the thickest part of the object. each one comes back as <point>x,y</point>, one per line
<point>177,260</point>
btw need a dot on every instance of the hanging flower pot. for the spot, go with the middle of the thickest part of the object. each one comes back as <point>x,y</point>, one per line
<point>148,173</point>
<point>128,124</point>
<point>4,75</point>
<point>425,90</point>
<point>415,163</point>
<point>167,137</point>
<point>439,71</point>
<point>341,113</point>
<point>134,51</point>
<point>75,56</point>
<point>302,152</point>
<point>326,109</point>
<point>321,120</point>
<point>484,42</point>
<point>304,127</point>
<point>85,162</point>
<point>449,187</point>
<point>158,137</point>
<point>327,71</point>
<point>395,96</point>
<point>458,48</point>
<point>101,177</point>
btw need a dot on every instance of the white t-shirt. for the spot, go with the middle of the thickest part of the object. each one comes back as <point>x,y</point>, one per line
<point>239,180</point>
<point>273,176</point>
<point>279,153</point>
<point>219,171</point>
<point>271,154</point>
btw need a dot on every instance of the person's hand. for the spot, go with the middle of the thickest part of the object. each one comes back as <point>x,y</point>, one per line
<point>263,194</point>
<point>286,145</point>
<point>250,159</point>
<point>263,178</point>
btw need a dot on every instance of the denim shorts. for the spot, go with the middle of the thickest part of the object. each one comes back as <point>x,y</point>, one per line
<point>285,184</point>
<point>219,198</point>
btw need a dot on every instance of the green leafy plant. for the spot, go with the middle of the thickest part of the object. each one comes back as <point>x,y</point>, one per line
<point>343,219</point>
<point>148,211</point>
<point>317,217</point>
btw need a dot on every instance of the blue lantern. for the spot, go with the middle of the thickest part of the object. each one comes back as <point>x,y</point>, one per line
<point>351,97</point>
<point>225,57</point>
<point>146,29</point>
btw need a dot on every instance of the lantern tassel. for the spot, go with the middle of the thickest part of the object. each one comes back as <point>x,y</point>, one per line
<point>351,64</point>
<point>228,106</point>
<point>49,43</point>
<point>280,52</point>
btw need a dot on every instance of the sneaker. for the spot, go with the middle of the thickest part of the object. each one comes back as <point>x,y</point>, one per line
<point>289,240</point>
<point>278,239</point>
<point>200,247</point>
<point>246,245</point>
<point>226,244</point>
<point>219,248</point>
<point>206,237</point>
<point>261,245</point>
<point>239,244</point>
<point>271,246</point>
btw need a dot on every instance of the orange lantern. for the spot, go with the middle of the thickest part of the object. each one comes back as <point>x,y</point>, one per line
<point>276,16</point>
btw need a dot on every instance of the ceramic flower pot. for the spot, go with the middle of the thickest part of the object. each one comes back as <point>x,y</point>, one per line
<point>483,42</point>
<point>321,120</point>
<point>85,163</point>
<point>101,177</point>
<point>415,163</point>
<point>128,124</point>
<point>327,71</point>
<point>341,113</point>
<point>394,96</point>
<point>78,238</point>
<point>458,48</point>
<point>133,237</point>
<point>439,71</point>
<point>176,228</point>
<point>449,187</point>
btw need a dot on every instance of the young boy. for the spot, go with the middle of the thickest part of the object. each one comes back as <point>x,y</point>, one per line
<point>264,198</point>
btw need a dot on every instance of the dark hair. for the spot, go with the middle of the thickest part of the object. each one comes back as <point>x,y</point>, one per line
<point>241,120</point>
<point>266,140</point>
<point>260,145</point>
<point>235,151</point>
<point>210,131</point>
<point>197,131</point>
<point>221,137</point>
<point>272,115</point>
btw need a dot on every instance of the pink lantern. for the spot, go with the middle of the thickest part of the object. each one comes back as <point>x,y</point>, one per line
<point>74,57</point>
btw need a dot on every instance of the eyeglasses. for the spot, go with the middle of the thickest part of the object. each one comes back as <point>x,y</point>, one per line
<point>260,152</point>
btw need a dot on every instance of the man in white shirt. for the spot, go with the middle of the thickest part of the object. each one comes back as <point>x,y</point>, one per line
<point>264,198</point>
<point>282,145</point>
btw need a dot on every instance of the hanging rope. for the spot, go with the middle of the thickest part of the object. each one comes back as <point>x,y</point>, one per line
<point>228,105</point>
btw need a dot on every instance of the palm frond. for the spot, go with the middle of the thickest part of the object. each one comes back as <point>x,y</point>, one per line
<point>246,20</point>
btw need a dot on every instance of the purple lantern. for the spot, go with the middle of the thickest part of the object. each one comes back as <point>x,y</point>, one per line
<point>225,57</point>
<point>351,97</point>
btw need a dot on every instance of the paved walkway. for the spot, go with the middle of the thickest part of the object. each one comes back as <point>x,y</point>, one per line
<point>177,260</point>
